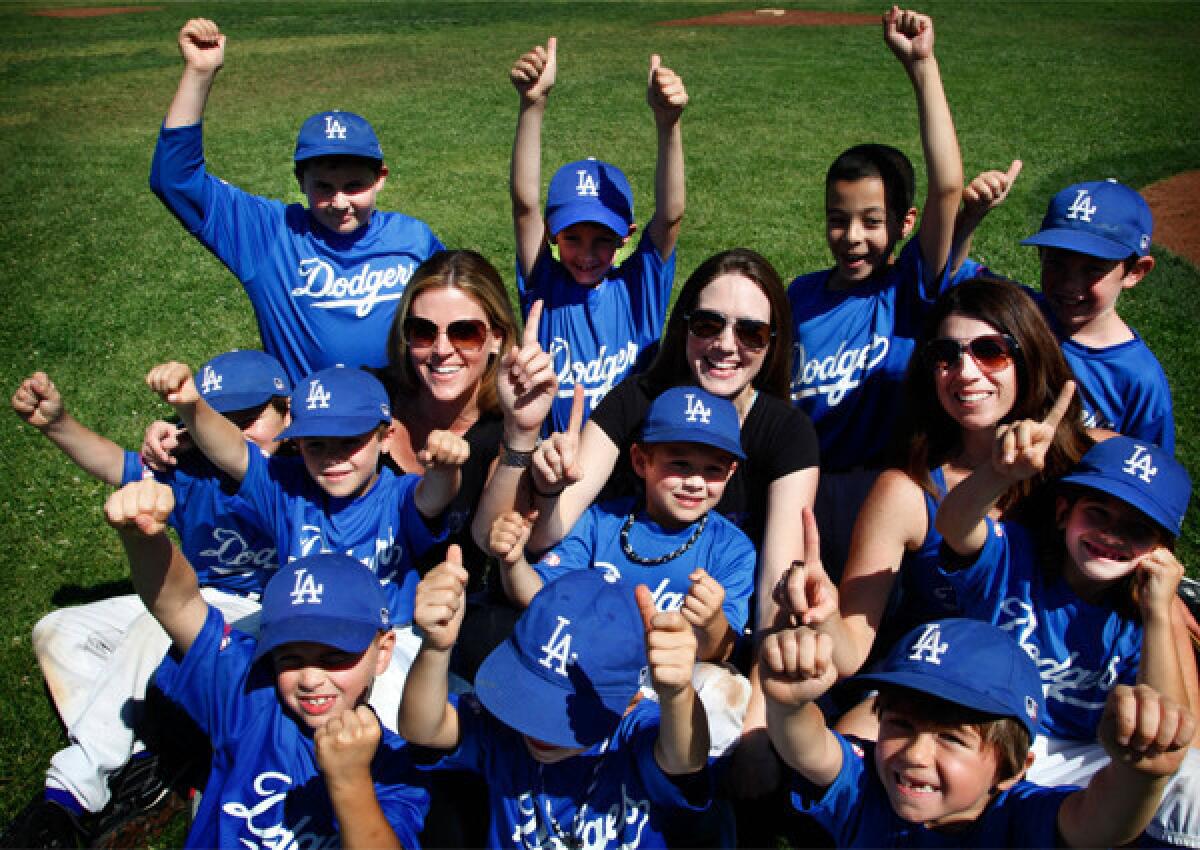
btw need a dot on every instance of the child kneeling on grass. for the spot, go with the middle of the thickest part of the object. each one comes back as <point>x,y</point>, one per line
<point>299,757</point>
<point>959,703</point>
<point>570,757</point>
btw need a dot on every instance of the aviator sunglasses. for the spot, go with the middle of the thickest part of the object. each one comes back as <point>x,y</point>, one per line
<point>751,333</point>
<point>992,352</point>
<point>467,335</point>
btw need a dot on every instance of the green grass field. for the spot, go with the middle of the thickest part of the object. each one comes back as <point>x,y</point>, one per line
<point>100,283</point>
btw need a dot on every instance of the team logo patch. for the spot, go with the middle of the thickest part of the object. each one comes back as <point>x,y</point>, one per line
<point>318,396</point>
<point>1031,708</point>
<point>306,590</point>
<point>1140,464</point>
<point>586,187</point>
<point>696,410</point>
<point>1082,208</point>
<point>929,646</point>
<point>556,652</point>
<point>210,381</point>
<point>334,129</point>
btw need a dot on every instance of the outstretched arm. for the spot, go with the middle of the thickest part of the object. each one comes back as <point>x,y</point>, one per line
<point>426,717</point>
<point>161,575</point>
<point>345,747</point>
<point>533,76</point>
<point>38,402</point>
<point>442,457</point>
<point>667,98</point>
<point>910,37</point>
<point>202,45</point>
<point>510,532</point>
<point>982,195</point>
<point>220,440</point>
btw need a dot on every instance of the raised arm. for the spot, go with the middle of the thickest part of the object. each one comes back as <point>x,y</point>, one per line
<point>202,45</point>
<point>38,402</point>
<point>161,575</point>
<point>909,34</point>
<point>783,537</point>
<point>217,437</point>
<point>667,98</point>
<point>426,717</point>
<point>983,194</point>
<point>345,747</point>
<point>507,541</point>
<point>1156,579</point>
<point>533,77</point>
<point>682,745</point>
<point>442,458</point>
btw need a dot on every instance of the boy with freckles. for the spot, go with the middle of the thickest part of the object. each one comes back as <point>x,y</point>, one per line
<point>299,757</point>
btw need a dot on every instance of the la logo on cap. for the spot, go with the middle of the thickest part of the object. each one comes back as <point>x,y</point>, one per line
<point>696,410</point>
<point>1141,464</point>
<point>306,591</point>
<point>318,396</point>
<point>1083,208</point>
<point>556,652</point>
<point>334,129</point>
<point>210,382</point>
<point>929,646</point>
<point>586,187</point>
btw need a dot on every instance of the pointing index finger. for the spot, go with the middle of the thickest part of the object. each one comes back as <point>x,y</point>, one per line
<point>532,323</point>
<point>645,603</point>
<point>575,423</point>
<point>1063,402</point>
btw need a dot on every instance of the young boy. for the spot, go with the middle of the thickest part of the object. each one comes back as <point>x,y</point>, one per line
<point>959,703</point>
<point>335,497</point>
<point>569,761</point>
<point>325,281</point>
<point>599,318</point>
<point>97,659</point>
<point>693,559</point>
<point>855,324</point>
<point>1094,244</point>
<point>299,758</point>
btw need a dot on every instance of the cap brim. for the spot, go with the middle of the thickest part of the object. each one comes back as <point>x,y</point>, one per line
<point>314,152</point>
<point>952,692</point>
<point>229,402</point>
<point>331,426</point>
<point>556,222</point>
<point>1130,495</point>
<point>347,636</point>
<point>527,702</point>
<point>693,435</point>
<point>1080,242</point>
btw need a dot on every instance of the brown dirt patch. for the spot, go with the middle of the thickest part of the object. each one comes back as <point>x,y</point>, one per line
<point>1176,206</point>
<point>93,11</point>
<point>776,18</point>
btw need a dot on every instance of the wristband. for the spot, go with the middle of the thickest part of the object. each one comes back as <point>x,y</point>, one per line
<point>548,496</point>
<point>515,458</point>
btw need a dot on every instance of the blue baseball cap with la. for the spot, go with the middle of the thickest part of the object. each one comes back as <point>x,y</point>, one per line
<point>237,380</point>
<point>329,598</point>
<point>693,415</point>
<point>1141,475</point>
<point>970,663</point>
<point>589,190</point>
<point>337,402</point>
<point>1102,218</point>
<point>336,133</point>
<point>574,660</point>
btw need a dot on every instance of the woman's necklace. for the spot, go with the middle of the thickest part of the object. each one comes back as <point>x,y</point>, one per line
<point>661,559</point>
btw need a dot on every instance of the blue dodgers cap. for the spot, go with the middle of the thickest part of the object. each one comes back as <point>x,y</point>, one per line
<point>337,402</point>
<point>966,662</point>
<point>1141,475</point>
<point>694,415</point>
<point>329,599</point>
<point>237,380</point>
<point>1103,219</point>
<point>573,662</point>
<point>337,134</point>
<point>589,190</point>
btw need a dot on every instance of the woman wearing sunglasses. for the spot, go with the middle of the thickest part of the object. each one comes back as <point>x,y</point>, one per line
<point>985,357</point>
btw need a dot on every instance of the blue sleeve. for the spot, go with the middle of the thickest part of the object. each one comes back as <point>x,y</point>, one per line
<point>650,287</point>
<point>260,491</point>
<point>473,736</point>
<point>643,726</point>
<point>236,226</point>
<point>399,790</point>
<point>736,573</point>
<point>841,806</point>
<point>133,469</point>
<point>574,552</point>
<point>982,584</point>
<point>417,532</point>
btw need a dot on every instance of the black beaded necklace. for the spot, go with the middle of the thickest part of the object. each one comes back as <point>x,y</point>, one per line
<point>661,559</point>
<point>571,840</point>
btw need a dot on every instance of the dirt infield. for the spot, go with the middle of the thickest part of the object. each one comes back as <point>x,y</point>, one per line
<point>1176,205</point>
<point>93,11</point>
<point>776,18</point>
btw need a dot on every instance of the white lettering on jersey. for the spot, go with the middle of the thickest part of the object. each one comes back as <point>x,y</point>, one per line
<point>667,600</point>
<point>696,411</point>
<point>318,396</point>
<point>233,554</point>
<point>360,292</point>
<point>1141,464</point>
<point>620,827</point>
<point>558,648</point>
<point>334,129</point>
<point>598,376</point>
<point>586,187</point>
<point>272,787</point>
<point>834,376</point>
<point>210,381</point>
<point>306,589</point>
<point>1082,208</point>
<point>929,646</point>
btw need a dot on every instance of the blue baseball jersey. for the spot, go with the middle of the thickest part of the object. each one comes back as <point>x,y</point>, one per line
<point>217,530</point>
<point>613,794</point>
<point>381,528</point>
<point>1082,650</point>
<point>856,811</point>
<point>320,298</point>
<point>265,789</point>
<point>722,550</point>
<point>850,353</point>
<point>596,334</point>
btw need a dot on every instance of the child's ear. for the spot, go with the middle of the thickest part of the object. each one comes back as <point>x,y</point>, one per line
<point>1141,267</point>
<point>1006,784</point>
<point>387,644</point>
<point>908,222</point>
<point>732,469</point>
<point>632,230</point>
<point>382,178</point>
<point>637,459</point>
